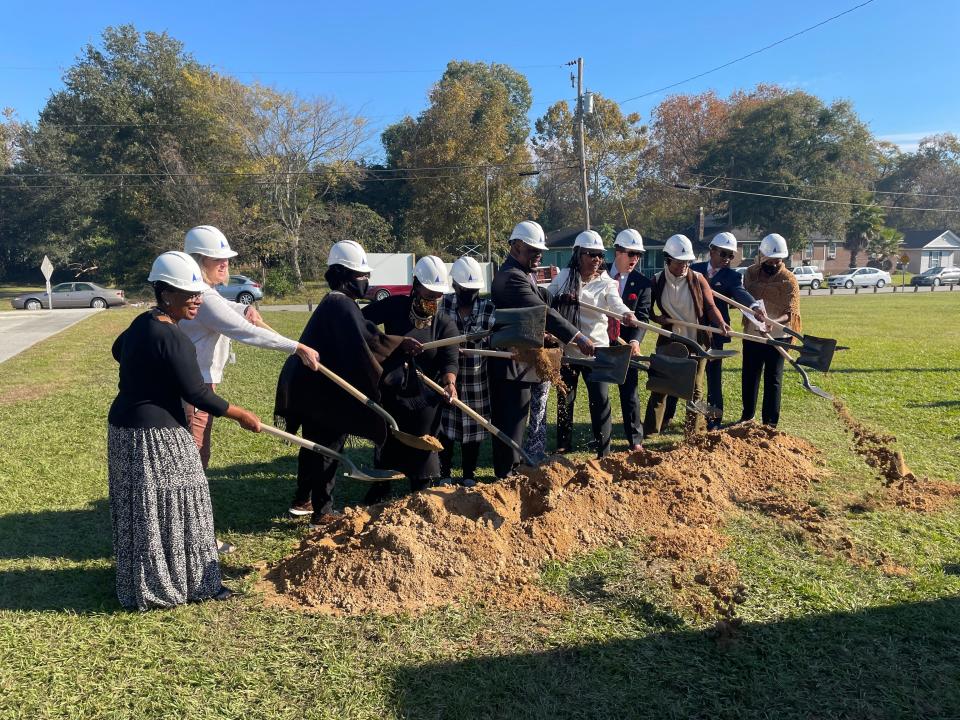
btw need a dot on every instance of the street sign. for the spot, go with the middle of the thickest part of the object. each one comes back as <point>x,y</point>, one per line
<point>905,259</point>
<point>46,267</point>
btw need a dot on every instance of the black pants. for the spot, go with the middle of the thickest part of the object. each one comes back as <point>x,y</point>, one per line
<point>715,391</point>
<point>630,405</point>
<point>469,455</point>
<point>316,473</point>
<point>599,395</point>
<point>763,359</point>
<point>509,408</point>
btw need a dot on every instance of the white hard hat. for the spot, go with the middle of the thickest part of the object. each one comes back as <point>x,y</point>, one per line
<point>629,239</point>
<point>467,273</point>
<point>774,246</point>
<point>724,241</point>
<point>179,270</point>
<point>208,241</point>
<point>432,273</point>
<point>349,254</point>
<point>531,233</point>
<point>679,247</point>
<point>589,240</point>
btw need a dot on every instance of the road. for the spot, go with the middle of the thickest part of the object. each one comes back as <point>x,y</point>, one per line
<point>20,329</point>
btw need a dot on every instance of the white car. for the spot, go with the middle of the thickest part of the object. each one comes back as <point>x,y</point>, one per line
<point>861,277</point>
<point>808,275</point>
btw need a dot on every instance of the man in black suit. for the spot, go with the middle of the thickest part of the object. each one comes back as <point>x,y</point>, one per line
<point>635,291</point>
<point>514,286</point>
<point>726,281</point>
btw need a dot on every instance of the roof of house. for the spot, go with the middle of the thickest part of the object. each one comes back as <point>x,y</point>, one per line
<point>920,238</point>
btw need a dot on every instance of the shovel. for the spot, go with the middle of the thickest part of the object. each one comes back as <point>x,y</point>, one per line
<point>551,355</point>
<point>352,471</point>
<point>464,408</point>
<point>733,333</point>
<point>512,327</point>
<point>815,352</point>
<point>420,442</point>
<point>608,365</point>
<point>691,345</point>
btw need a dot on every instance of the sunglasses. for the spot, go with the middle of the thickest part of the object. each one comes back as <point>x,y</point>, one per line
<point>726,254</point>
<point>594,255</point>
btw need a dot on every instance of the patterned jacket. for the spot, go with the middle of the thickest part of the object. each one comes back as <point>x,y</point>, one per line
<point>472,381</point>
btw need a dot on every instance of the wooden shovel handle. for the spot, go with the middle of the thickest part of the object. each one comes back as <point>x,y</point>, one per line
<point>358,395</point>
<point>454,340</point>
<point>640,323</point>
<point>717,331</point>
<point>741,306</point>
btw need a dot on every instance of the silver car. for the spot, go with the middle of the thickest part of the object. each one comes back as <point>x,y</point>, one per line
<point>861,277</point>
<point>242,289</point>
<point>937,276</point>
<point>70,295</point>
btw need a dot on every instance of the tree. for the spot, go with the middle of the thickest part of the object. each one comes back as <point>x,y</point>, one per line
<point>475,129</point>
<point>927,178</point>
<point>302,149</point>
<point>798,148</point>
<point>863,227</point>
<point>613,144</point>
<point>885,244</point>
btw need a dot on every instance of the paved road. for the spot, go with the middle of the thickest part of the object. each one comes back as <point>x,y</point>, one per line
<point>20,329</point>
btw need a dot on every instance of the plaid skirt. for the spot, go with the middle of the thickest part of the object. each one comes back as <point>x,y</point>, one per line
<point>162,518</point>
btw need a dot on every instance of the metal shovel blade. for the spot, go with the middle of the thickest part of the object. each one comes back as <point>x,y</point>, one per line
<point>350,469</point>
<point>817,353</point>
<point>608,365</point>
<point>676,376</point>
<point>418,442</point>
<point>519,327</point>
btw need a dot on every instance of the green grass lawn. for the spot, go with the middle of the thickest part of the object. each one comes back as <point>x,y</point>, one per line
<point>822,637</point>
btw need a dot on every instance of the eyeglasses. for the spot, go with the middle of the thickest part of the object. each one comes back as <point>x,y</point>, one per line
<point>594,255</point>
<point>726,254</point>
<point>186,294</point>
<point>630,253</point>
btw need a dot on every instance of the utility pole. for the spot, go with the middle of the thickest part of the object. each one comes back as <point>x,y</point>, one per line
<point>486,187</point>
<point>583,156</point>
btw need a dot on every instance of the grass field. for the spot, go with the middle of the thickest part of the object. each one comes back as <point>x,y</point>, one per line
<point>822,637</point>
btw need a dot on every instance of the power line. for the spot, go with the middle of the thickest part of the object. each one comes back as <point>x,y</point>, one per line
<point>826,187</point>
<point>748,55</point>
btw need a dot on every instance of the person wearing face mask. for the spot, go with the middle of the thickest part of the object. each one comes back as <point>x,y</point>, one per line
<point>770,280</point>
<point>724,280</point>
<point>415,407</point>
<point>515,286</point>
<point>585,280</point>
<point>681,294</point>
<point>354,349</point>
<point>471,314</point>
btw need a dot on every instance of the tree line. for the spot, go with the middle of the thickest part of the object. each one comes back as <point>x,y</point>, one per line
<point>143,142</point>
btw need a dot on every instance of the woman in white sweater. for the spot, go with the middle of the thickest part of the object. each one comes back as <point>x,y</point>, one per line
<point>585,280</point>
<point>219,320</point>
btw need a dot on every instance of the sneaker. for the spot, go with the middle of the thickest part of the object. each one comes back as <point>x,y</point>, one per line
<point>321,520</point>
<point>225,548</point>
<point>301,508</point>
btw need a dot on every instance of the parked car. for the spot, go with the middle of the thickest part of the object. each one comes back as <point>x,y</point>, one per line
<point>70,295</point>
<point>808,275</point>
<point>937,276</point>
<point>862,277</point>
<point>380,292</point>
<point>242,289</point>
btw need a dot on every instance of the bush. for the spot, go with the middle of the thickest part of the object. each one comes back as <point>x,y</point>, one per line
<point>279,282</point>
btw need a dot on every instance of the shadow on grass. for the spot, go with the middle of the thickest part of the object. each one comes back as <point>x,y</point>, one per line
<point>75,589</point>
<point>935,404</point>
<point>899,661</point>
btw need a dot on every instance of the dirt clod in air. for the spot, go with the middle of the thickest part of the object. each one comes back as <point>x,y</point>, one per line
<point>545,363</point>
<point>902,488</point>
<point>490,542</point>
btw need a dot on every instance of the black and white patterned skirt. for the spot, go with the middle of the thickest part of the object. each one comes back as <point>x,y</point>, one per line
<point>162,518</point>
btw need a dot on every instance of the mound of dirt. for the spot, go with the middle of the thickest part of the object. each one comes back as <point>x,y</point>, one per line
<point>490,542</point>
<point>902,488</point>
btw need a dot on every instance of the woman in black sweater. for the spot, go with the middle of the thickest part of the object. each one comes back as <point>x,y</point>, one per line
<point>159,499</point>
<point>415,407</point>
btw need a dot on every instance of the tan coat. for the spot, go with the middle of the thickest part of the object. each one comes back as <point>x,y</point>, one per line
<point>780,294</point>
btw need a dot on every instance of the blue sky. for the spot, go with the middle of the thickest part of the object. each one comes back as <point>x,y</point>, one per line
<point>896,61</point>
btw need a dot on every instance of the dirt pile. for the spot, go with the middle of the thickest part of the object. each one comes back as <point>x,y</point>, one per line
<point>490,542</point>
<point>901,488</point>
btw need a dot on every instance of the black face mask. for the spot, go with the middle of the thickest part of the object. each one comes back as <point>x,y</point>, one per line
<point>770,269</point>
<point>466,298</point>
<point>356,287</point>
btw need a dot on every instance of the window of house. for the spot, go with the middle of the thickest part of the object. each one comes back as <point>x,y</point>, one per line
<point>808,251</point>
<point>749,250</point>
<point>832,250</point>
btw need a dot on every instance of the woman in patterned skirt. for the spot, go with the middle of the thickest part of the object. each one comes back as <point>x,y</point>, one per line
<point>472,314</point>
<point>159,499</point>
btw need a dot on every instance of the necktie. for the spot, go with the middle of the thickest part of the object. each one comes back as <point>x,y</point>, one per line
<point>613,325</point>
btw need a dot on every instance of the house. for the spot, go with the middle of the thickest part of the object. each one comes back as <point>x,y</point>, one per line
<point>930,248</point>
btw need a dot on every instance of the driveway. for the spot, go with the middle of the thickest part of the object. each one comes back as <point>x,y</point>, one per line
<point>20,329</point>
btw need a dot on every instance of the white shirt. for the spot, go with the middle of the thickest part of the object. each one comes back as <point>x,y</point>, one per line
<point>603,291</point>
<point>218,320</point>
<point>677,301</point>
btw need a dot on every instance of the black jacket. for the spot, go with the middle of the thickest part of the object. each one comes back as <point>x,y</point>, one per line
<point>637,295</point>
<point>512,288</point>
<point>729,282</point>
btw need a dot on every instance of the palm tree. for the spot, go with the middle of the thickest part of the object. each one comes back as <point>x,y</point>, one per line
<point>863,227</point>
